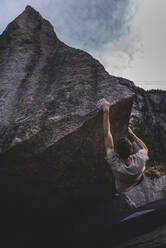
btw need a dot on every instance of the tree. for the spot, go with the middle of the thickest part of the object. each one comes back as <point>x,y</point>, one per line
<point>154,138</point>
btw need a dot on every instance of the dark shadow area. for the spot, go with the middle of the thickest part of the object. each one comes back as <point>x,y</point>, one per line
<point>29,218</point>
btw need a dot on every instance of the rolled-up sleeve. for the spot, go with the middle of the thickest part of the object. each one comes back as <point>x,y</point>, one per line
<point>140,161</point>
<point>142,155</point>
<point>113,159</point>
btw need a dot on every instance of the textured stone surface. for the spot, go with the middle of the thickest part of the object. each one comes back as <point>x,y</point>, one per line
<point>149,190</point>
<point>148,106</point>
<point>49,125</point>
<point>51,133</point>
<point>52,151</point>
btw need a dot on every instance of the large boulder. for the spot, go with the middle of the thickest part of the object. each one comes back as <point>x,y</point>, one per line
<point>149,190</point>
<point>50,128</point>
<point>51,135</point>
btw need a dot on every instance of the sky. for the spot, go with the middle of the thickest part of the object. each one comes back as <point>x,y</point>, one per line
<point>127,36</point>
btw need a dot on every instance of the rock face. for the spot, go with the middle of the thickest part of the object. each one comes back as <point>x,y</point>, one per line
<point>148,106</point>
<point>51,146</point>
<point>49,125</point>
<point>149,190</point>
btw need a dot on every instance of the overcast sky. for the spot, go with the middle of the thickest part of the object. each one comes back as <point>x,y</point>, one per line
<point>127,36</point>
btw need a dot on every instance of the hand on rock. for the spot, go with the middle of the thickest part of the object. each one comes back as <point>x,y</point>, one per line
<point>105,105</point>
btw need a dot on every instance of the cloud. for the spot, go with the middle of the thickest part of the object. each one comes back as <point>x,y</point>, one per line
<point>140,55</point>
<point>84,24</point>
<point>151,19</point>
<point>88,24</point>
<point>118,56</point>
<point>127,36</point>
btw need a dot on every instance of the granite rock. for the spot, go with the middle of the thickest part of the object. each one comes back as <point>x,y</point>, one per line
<point>51,144</point>
<point>149,106</point>
<point>49,125</point>
<point>149,190</point>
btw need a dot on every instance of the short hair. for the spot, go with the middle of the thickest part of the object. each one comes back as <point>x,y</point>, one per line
<point>124,148</point>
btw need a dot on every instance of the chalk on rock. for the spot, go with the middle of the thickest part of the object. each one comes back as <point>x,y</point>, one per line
<point>98,104</point>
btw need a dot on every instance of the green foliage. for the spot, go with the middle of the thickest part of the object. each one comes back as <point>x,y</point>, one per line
<point>155,171</point>
<point>154,138</point>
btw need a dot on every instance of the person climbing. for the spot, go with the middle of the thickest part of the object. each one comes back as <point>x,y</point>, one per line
<point>127,167</point>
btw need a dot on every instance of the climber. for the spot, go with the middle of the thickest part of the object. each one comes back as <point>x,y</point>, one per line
<point>127,167</point>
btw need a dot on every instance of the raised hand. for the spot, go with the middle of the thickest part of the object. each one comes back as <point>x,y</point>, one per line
<point>105,105</point>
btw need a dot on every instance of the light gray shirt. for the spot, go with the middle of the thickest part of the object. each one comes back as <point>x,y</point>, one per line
<point>127,176</point>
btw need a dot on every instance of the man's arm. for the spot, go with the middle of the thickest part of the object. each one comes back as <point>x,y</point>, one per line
<point>108,139</point>
<point>138,141</point>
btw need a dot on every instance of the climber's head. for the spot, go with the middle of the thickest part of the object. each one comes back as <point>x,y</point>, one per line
<point>124,148</point>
